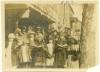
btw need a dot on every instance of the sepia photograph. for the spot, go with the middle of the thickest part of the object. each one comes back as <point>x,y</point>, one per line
<point>60,35</point>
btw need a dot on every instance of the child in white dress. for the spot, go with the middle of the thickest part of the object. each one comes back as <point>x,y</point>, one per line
<point>50,46</point>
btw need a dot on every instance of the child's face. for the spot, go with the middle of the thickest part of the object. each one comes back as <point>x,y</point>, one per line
<point>62,37</point>
<point>50,41</point>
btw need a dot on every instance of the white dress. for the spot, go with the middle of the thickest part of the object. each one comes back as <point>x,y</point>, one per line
<point>49,61</point>
<point>25,53</point>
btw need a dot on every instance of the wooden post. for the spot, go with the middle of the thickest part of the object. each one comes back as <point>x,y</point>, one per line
<point>9,50</point>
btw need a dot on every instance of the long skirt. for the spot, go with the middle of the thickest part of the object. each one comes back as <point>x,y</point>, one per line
<point>24,57</point>
<point>38,57</point>
<point>60,57</point>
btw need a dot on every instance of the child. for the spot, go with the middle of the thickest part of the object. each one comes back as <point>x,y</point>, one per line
<point>50,60</point>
